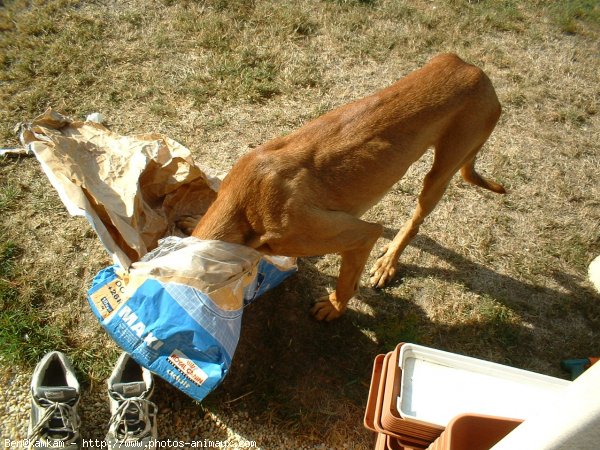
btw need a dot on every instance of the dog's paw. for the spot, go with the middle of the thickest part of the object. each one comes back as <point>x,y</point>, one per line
<point>327,308</point>
<point>383,271</point>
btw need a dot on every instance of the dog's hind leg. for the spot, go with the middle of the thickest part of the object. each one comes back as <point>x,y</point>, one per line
<point>447,162</point>
<point>471,176</point>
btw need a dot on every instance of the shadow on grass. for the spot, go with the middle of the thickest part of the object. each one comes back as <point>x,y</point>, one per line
<point>295,371</point>
<point>549,311</point>
<point>306,376</point>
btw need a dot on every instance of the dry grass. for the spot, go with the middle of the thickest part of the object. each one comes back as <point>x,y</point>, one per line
<point>503,278</point>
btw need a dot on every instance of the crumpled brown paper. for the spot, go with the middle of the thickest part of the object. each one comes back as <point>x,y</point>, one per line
<point>133,189</point>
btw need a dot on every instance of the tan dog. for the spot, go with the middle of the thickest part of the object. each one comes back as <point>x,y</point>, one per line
<point>303,194</point>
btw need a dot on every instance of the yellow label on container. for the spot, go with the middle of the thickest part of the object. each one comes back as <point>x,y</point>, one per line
<point>109,297</point>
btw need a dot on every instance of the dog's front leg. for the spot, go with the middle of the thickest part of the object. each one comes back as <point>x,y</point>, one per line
<point>353,263</point>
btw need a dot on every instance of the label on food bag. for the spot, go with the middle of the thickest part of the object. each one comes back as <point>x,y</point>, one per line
<point>109,297</point>
<point>187,367</point>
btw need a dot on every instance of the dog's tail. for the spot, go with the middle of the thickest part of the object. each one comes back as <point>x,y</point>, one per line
<point>471,176</point>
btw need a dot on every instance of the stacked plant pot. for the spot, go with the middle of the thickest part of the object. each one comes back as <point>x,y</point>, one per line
<point>474,432</point>
<point>382,416</point>
<point>395,407</point>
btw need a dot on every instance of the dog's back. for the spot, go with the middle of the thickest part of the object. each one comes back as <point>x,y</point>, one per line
<point>347,159</point>
<point>303,194</point>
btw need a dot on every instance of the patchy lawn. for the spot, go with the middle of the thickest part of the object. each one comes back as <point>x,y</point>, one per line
<point>497,277</point>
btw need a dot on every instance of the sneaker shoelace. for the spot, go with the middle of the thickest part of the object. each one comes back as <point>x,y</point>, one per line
<point>133,418</point>
<point>57,424</point>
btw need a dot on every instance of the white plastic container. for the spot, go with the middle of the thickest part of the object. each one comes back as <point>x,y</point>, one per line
<point>437,386</point>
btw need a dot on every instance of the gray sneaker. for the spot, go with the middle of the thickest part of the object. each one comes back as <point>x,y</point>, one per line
<point>133,421</point>
<point>54,421</point>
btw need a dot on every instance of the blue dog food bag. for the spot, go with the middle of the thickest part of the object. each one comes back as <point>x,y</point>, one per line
<point>178,311</point>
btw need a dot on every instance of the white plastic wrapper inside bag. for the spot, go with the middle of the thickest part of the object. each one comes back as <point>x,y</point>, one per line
<point>174,303</point>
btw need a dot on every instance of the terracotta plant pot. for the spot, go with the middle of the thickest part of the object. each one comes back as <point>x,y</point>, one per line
<point>394,432</point>
<point>382,417</point>
<point>474,432</point>
<point>420,433</point>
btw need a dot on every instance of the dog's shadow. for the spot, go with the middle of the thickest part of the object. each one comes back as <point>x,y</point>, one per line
<point>295,369</point>
<point>298,373</point>
<point>517,294</point>
<point>537,305</point>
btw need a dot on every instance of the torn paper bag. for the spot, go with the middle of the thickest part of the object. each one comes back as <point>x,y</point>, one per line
<point>132,189</point>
